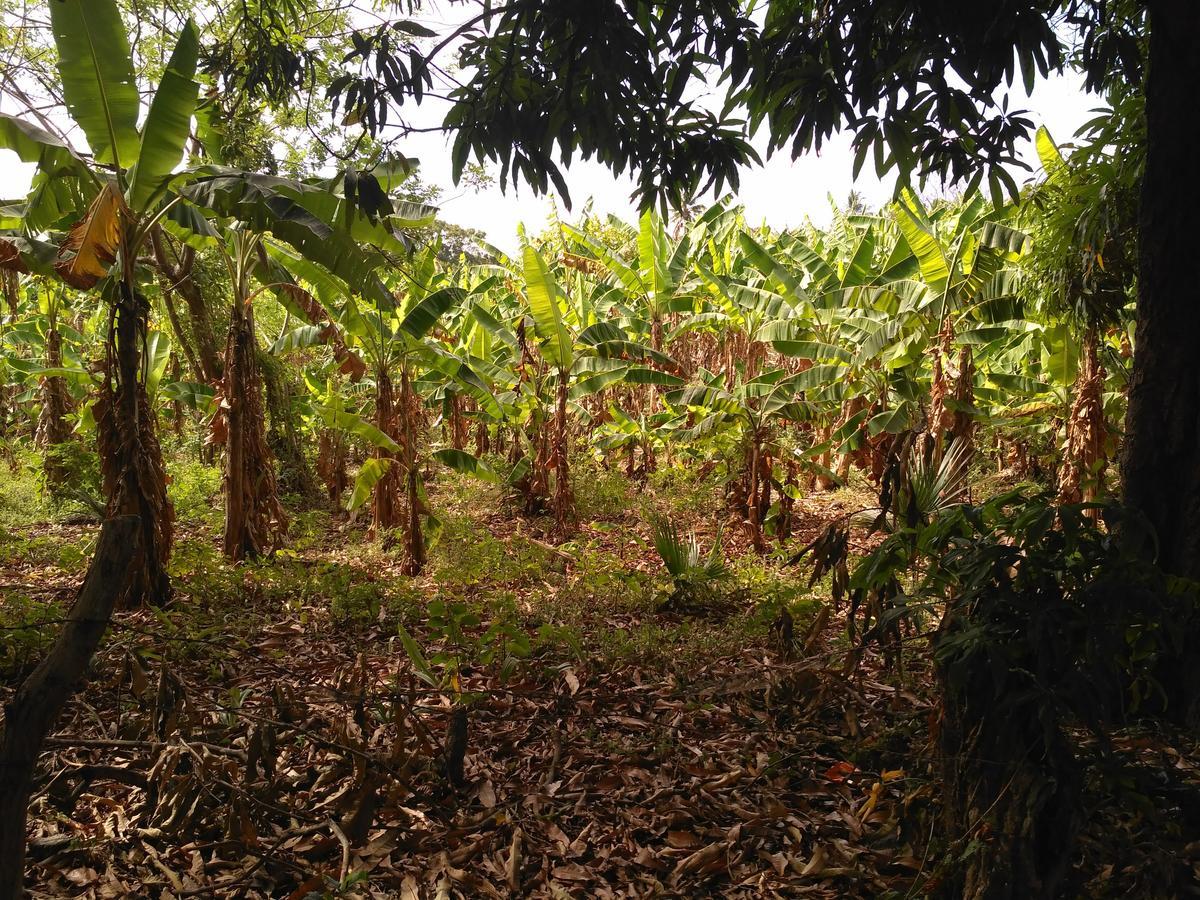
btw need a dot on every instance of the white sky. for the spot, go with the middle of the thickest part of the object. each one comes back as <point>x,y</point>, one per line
<point>781,193</point>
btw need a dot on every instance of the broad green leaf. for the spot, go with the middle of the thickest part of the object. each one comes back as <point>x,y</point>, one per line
<point>369,475</point>
<point>466,463</point>
<point>646,375</point>
<point>256,201</point>
<point>186,223</point>
<point>191,394</point>
<point>297,339</point>
<point>893,421</point>
<point>34,145</point>
<point>598,379</point>
<point>814,350</point>
<point>169,122</point>
<point>768,265</point>
<point>158,353</point>
<point>818,376</point>
<point>935,270</point>
<point>848,436</point>
<point>541,289</point>
<point>96,68</point>
<point>1019,383</point>
<point>421,318</point>
<point>355,424</point>
<point>420,663</point>
<point>860,271</point>
<point>1048,153</point>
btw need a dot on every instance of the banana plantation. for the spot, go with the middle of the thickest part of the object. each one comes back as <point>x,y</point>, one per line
<point>676,554</point>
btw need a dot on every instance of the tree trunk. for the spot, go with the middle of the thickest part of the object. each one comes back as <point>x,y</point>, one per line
<point>254,519</point>
<point>458,422</point>
<point>331,464</point>
<point>294,474</point>
<point>184,285</point>
<point>135,480</point>
<point>1161,461</point>
<point>52,429</point>
<point>39,701</point>
<point>1081,475</point>
<point>414,539</point>
<point>755,491</point>
<point>10,286</point>
<point>1161,457</point>
<point>563,500</point>
<point>387,502</point>
<point>1012,786</point>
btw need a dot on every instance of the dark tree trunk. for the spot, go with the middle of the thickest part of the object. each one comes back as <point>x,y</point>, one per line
<point>10,285</point>
<point>331,464</point>
<point>1011,786</point>
<point>458,423</point>
<point>1161,463</point>
<point>1081,471</point>
<point>135,480</point>
<point>1161,456</point>
<point>40,699</point>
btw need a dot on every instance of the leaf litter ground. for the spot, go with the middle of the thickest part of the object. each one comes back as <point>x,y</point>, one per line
<point>267,736</point>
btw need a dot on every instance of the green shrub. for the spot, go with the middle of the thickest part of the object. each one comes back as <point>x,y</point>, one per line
<point>27,628</point>
<point>601,494</point>
<point>195,489</point>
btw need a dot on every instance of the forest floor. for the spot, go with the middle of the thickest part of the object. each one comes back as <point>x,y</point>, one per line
<point>268,734</point>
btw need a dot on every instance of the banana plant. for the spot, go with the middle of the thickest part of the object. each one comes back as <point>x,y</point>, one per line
<point>965,257</point>
<point>658,276</point>
<point>579,363</point>
<point>125,194</point>
<point>650,434</point>
<point>38,348</point>
<point>396,339</point>
<point>254,518</point>
<point>839,290</point>
<point>753,411</point>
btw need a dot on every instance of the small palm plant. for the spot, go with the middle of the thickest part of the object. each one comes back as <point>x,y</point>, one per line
<point>696,577</point>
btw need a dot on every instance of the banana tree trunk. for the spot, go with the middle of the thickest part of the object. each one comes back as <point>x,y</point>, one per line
<point>821,481</point>
<point>254,518</point>
<point>331,464</point>
<point>458,423</point>
<point>1081,475</point>
<point>135,480</point>
<point>295,475</point>
<point>563,500</point>
<point>755,492</point>
<point>386,505</point>
<point>414,539</point>
<point>52,428</point>
<point>180,282</point>
<point>10,285</point>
